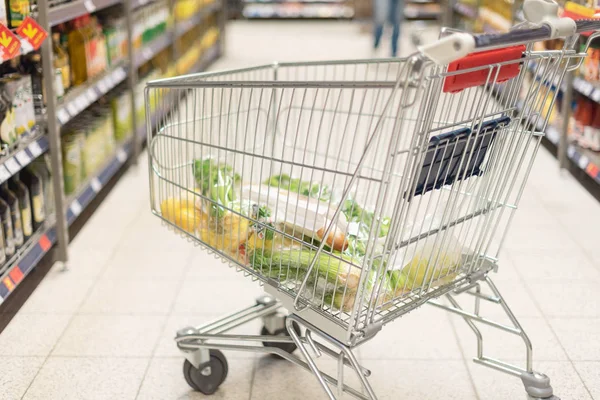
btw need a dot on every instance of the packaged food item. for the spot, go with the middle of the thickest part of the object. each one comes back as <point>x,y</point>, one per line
<point>121,112</point>
<point>2,246</point>
<point>22,192</point>
<point>7,227</point>
<point>19,10</point>
<point>72,160</point>
<point>15,212</point>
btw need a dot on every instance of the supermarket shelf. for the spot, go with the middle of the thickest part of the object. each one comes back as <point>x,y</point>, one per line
<point>83,96</point>
<point>421,13</point>
<point>95,183</point>
<point>23,155</point>
<point>292,11</point>
<point>26,259</point>
<point>148,51</point>
<point>68,11</point>
<point>182,27</point>
<point>585,159</point>
<point>465,10</point>
<point>587,89</point>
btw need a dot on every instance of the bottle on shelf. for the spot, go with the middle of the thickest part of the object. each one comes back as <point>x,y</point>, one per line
<point>76,43</point>
<point>22,192</point>
<point>7,227</point>
<point>15,212</point>
<point>36,183</point>
<point>61,65</point>
<point>2,246</point>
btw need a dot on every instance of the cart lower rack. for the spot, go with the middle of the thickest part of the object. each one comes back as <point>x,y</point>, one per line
<point>357,191</point>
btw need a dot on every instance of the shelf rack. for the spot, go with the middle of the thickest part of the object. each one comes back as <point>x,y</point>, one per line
<point>567,152</point>
<point>46,137</point>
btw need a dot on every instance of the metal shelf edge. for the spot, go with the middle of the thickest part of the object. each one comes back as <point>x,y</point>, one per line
<point>69,11</point>
<point>91,189</point>
<point>15,274</point>
<point>75,104</point>
<point>23,157</point>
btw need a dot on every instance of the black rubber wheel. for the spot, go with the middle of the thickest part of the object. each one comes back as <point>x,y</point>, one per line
<point>287,347</point>
<point>207,384</point>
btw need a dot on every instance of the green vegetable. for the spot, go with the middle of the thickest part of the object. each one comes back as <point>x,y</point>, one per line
<point>295,185</point>
<point>293,263</point>
<point>206,173</point>
<point>217,182</point>
<point>357,241</point>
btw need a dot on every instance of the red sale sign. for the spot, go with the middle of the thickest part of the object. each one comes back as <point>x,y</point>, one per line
<point>32,32</point>
<point>9,43</point>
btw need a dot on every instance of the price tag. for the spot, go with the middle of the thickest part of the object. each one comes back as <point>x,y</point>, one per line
<point>72,109</point>
<point>82,101</point>
<point>91,96</point>
<point>76,207</point>
<point>12,165</point>
<point>96,185</point>
<point>109,82</point>
<point>147,54</point>
<point>63,116</point>
<point>121,156</point>
<point>143,2</point>
<point>35,149</point>
<point>102,86</point>
<point>89,6</point>
<point>583,162</point>
<point>4,174</point>
<point>23,158</point>
<point>596,96</point>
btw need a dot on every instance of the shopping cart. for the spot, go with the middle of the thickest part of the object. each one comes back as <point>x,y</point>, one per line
<point>357,191</point>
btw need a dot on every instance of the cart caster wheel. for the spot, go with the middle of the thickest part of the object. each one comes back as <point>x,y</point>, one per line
<point>287,347</point>
<point>209,376</point>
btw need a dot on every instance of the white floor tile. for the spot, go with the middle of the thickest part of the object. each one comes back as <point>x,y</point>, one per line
<point>16,374</point>
<point>210,297</point>
<point>160,264</point>
<point>579,337</point>
<point>424,334</point>
<point>110,336</point>
<point>88,379</point>
<point>577,299</point>
<point>57,294</point>
<point>130,296</point>
<point>164,380</point>
<point>589,371</point>
<point>421,380</point>
<point>32,334</point>
<point>554,265</point>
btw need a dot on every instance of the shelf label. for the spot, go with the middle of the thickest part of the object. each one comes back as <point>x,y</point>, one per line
<point>143,2</point>
<point>63,116</point>
<point>9,284</point>
<point>91,96</point>
<point>35,149</point>
<point>596,96</point>
<point>147,54</point>
<point>89,6</point>
<point>102,86</point>
<point>4,174</point>
<point>9,43</point>
<point>121,74</point>
<point>121,156</point>
<point>72,109</point>
<point>96,185</point>
<point>12,165</point>
<point>23,158</point>
<point>82,101</point>
<point>76,207</point>
<point>32,32</point>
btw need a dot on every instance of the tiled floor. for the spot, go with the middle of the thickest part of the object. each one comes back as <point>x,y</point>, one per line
<point>103,329</point>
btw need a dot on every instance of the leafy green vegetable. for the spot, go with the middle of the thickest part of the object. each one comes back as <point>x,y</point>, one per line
<point>217,182</point>
<point>206,173</point>
<point>358,238</point>
<point>295,185</point>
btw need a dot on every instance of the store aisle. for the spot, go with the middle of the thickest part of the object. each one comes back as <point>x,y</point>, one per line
<point>103,329</point>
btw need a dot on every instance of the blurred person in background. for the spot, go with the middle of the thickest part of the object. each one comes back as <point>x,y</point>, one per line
<point>392,11</point>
